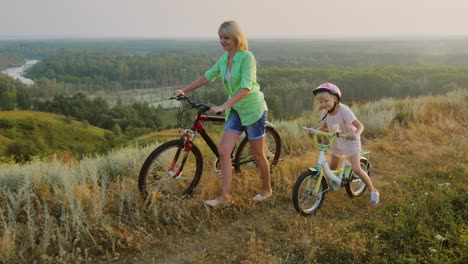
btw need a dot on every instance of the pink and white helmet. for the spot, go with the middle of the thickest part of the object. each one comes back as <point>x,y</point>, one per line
<point>329,87</point>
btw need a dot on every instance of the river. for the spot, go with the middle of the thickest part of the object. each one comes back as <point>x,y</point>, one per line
<point>17,72</point>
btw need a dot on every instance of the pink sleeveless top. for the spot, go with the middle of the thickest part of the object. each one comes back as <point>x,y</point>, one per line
<point>343,120</point>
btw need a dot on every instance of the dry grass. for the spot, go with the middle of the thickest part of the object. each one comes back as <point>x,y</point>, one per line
<point>90,210</point>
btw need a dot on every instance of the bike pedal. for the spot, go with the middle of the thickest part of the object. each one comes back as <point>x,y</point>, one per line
<point>218,174</point>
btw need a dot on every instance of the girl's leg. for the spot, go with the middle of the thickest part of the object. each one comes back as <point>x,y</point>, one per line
<point>228,141</point>
<point>334,162</point>
<point>356,166</point>
<point>258,152</point>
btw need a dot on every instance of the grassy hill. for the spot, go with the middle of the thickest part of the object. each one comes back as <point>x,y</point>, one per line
<point>90,211</point>
<point>41,133</point>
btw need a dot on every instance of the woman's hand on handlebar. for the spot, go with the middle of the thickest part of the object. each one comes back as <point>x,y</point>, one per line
<point>217,110</point>
<point>179,93</point>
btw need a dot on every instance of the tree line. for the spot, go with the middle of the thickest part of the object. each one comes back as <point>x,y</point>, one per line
<point>124,120</point>
<point>280,86</point>
<point>113,71</point>
<point>128,120</point>
<point>283,86</point>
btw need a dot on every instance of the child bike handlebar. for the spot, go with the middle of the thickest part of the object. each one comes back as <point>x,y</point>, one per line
<point>318,133</point>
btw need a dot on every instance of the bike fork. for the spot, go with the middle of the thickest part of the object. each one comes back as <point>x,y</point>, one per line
<point>186,147</point>
<point>314,190</point>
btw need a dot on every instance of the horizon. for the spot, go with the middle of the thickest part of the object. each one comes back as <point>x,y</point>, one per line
<point>185,19</point>
<point>253,38</point>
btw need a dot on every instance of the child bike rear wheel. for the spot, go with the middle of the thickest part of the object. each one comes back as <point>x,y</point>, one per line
<point>355,186</point>
<point>157,179</point>
<point>305,201</point>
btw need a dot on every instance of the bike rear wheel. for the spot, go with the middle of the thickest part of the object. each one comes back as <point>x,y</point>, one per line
<point>244,160</point>
<point>156,178</point>
<point>355,186</point>
<point>305,200</point>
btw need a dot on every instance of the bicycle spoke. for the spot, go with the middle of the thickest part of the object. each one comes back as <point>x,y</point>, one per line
<point>157,178</point>
<point>244,159</point>
<point>305,200</point>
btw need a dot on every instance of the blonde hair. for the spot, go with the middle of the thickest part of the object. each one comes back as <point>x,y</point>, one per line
<point>321,95</point>
<point>233,29</point>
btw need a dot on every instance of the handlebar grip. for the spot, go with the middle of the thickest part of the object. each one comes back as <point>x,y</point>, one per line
<point>324,133</point>
<point>178,97</point>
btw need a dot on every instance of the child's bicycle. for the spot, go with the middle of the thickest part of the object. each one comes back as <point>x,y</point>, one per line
<point>175,167</point>
<point>311,186</point>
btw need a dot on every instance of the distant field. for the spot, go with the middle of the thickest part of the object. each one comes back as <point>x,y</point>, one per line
<point>153,96</point>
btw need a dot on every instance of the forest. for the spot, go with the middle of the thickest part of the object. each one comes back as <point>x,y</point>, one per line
<point>123,85</point>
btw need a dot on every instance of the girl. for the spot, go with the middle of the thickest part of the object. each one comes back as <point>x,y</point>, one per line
<point>338,118</point>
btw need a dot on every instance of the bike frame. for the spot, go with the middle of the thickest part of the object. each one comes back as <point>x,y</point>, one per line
<point>322,168</point>
<point>198,126</point>
<point>335,176</point>
<point>189,136</point>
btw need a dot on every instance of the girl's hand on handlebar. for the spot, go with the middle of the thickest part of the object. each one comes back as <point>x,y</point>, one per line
<point>217,110</point>
<point>351,136</point>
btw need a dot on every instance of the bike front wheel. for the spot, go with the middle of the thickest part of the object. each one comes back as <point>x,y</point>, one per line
<point>244,160</point>
<point>157,173</point>
<point>355,186</point>
<point>307,197</point>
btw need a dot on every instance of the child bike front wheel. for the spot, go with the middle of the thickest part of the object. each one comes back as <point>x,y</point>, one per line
<point>307,196</point>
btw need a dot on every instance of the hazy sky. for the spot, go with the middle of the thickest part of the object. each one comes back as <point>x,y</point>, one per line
<point>259,18</point>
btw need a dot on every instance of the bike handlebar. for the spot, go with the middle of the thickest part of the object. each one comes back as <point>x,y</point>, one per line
<point>331,136</point>
<point>202,108</point>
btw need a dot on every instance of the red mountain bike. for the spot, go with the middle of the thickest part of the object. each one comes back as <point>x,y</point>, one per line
<point>175,167</point>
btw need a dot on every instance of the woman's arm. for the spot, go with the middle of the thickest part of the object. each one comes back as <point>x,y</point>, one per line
<point>194,85</point>
<point>243,92</point>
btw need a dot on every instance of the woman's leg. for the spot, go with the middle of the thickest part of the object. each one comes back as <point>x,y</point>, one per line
<point>356,166</point>
<point>228,141</point>
<point>258,152</point>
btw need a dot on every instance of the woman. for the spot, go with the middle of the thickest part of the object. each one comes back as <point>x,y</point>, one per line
<point>245,108</point>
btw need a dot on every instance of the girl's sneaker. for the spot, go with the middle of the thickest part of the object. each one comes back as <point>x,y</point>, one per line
<point>374,197</point>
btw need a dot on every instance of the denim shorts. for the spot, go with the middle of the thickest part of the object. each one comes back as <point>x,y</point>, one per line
<point>253,131</point>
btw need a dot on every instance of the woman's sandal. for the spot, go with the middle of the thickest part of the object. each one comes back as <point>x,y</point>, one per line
<point>214,203</point>
<point>259,197</point>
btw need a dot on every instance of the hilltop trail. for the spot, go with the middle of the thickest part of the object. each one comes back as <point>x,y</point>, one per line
<point>250,228</point>
<point>272,232</point>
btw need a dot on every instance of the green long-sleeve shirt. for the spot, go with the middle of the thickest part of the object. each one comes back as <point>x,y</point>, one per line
<point>243,75</point>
